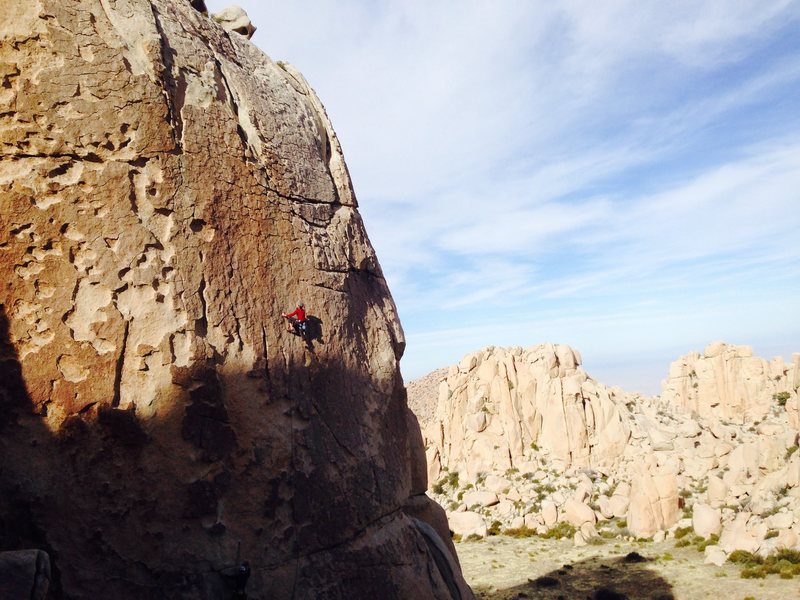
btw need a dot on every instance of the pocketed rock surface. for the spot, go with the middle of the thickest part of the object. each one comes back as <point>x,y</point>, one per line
<point>166,191</point>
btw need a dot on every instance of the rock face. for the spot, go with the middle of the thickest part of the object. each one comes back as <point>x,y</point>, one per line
<point>728,382</point>
<point>497,404</point>
<point>559,453</point>
<point>653,502</point>
<point>24,574</point>
<point>167,191</point>
<point>234,18</point>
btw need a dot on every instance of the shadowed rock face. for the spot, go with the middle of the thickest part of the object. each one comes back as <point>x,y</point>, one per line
<point>166,190</point>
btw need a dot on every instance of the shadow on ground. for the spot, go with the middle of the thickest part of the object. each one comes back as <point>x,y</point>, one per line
<point>614,578</point>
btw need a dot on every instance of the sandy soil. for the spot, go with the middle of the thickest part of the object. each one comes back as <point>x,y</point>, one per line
<point>503,568</point>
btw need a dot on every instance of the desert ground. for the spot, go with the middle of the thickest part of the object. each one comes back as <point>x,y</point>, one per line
<point>505,568</point>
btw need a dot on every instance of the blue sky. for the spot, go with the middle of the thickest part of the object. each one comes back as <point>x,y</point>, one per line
<point>620,176</point>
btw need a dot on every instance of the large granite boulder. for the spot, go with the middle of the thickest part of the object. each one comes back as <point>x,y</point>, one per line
<point>166,191</point>
<point>499,403</point>
<point>728,382</point>
<point>653,502</point>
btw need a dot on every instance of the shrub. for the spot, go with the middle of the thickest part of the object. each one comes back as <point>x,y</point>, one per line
<point>780,566</point>
<point>520,532</point>
<point>494,528</point>
<point>785,563</point>
<point>748,573</point>
<point>781,398</point>
<point>743,557</point>
<point>596,541</point>
<point>560,530</point>
<point>712,540</point>
<point>452,479</point>
<point>792,556</point>
<point>447,479</point>
<point>605,533</point>
<point>682,532</point>
<point>774,510</point>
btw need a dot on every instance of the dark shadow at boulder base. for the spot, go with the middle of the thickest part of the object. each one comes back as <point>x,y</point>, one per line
<point>615,578</point>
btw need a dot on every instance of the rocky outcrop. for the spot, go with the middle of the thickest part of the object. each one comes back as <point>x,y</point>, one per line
<point>653,503</point>
<point>234,18</point>
<point>167,191</point>
<point>729,383</point>
<point>497,405</point>
<point>24,574</point>
<point>524,438</point>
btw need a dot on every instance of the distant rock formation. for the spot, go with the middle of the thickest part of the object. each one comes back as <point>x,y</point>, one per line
<point>524,438</point>
<point>497,405</point>
<point>166,191</point>
<point>729,383</point>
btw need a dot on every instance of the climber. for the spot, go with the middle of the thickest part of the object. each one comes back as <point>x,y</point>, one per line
<point>240,578</point>
<point>296,320</point>
<point>235,578</point>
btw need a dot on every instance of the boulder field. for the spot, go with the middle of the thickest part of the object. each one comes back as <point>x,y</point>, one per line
<point>524,439</point>
<point>166,192</point>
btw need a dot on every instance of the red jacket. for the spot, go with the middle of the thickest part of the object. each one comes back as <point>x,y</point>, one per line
<point>298,312</point>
